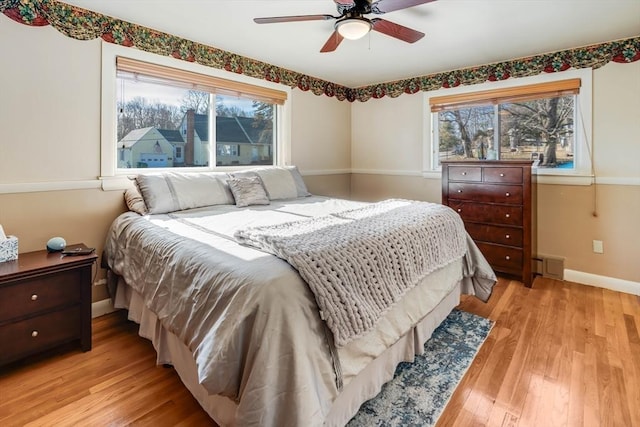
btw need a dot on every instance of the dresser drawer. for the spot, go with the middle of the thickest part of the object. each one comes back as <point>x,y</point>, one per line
<point>504,175</point>
<point>36,294</point>
<point>491,214</point>
<point>38,333</point>
<point>502,258</point>
<point>465,173</point>
<point>492,193</point>
<point>495,234</point>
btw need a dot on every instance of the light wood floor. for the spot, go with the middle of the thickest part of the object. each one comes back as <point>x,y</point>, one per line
<point>559,354</point>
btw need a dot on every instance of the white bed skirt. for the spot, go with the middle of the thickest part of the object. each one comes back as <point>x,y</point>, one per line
<point>364,386</point>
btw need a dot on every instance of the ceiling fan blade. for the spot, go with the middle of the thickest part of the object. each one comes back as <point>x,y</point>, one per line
<point>396,30</point>
<point>276,19</point>
<point>332,43</point>
<point>385,6</point>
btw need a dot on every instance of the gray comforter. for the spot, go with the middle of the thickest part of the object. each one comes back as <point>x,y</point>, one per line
<point>250,321</point>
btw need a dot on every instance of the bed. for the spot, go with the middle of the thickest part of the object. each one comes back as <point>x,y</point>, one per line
<point>200,263</point>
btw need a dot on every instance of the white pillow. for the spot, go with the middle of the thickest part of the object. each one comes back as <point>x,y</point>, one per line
<point>172,191</point>
<point>280,182</point>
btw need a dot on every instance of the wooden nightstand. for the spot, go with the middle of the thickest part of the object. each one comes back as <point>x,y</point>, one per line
<point>45,301</point>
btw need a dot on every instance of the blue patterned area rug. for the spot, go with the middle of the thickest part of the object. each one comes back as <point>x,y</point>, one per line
<point>420,390</point>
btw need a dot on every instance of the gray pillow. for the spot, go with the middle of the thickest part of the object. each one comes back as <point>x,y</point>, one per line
<point>280,182</point>
<point>172,191</point>
<point>248,191</point>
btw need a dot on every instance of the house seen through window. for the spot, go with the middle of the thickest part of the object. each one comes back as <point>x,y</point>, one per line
<point>166,120</point>
<point>526,123</point>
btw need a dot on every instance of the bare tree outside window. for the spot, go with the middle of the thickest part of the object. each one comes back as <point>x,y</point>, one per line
<point>539,129</point>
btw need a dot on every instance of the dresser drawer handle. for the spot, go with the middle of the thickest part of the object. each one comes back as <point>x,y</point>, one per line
<point>459,191</point>
<point>34,297</point>
<point>463,173</point>
<point>34,334</point>
<point>507,257</point>
<point>507,236</point>
<point>501,174</point>
<point>459,210</point>
<point>507,216</point>
<point>507,194</point>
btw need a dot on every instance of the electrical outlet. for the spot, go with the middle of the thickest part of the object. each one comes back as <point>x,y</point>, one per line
<point>598,247</point>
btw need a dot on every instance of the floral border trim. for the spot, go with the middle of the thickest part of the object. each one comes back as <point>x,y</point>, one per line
<point>83,24</point>
<point>623,51</point>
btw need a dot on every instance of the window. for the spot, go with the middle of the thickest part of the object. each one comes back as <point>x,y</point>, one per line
<point>170,118</point>
<point>227,150</point>
<point>540,122</point>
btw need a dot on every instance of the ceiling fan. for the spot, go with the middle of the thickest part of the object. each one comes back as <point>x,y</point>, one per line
<point>352,24</point>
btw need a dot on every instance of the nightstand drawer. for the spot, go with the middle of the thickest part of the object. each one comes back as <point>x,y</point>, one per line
<point>36,294</point>
<point>509,236</point>
<point>492,214</point>
<point>505,175</point>
<point>502,258</point>
<point>491,193</point>
<point>38,333</point>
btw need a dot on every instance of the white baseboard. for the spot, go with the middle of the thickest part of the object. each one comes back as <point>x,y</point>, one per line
<point>100,308</point>
<point>612,283</point>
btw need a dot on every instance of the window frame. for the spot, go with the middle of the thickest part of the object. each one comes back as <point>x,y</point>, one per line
<point>583,171</point>
<point>112,176</point>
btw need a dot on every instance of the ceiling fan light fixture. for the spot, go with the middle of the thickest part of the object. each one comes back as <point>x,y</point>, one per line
<point>353,28</point>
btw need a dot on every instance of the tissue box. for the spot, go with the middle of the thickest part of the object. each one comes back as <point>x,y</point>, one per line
<point>9,249</point>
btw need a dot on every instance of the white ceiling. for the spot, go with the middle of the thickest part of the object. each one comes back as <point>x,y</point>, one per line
<point>459,33</point>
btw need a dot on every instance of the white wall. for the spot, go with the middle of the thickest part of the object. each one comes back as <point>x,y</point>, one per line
<point>386,135</point>
<point>616,111</point>
<point>321,133</point>
<point>49,108</point>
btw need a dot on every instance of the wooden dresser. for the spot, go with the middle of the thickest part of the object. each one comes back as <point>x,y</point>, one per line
<point>45,301</point>
<point>494,199</point>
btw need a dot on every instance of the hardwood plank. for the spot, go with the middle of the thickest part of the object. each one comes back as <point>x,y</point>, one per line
<point>575,417</point>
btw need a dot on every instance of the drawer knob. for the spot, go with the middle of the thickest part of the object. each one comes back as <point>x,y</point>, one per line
<point>463,173</point>
<point>507,194</point>
<point>34,334</point>
<point>34,297</point>
<point>507,236</point>
<point>459,210</point>
<point>507,257</point>
<point>507,215</point>
<point>459,191</point>
<point>501,174</point>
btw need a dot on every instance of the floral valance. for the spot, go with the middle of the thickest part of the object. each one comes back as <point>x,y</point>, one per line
<point>82,24</point>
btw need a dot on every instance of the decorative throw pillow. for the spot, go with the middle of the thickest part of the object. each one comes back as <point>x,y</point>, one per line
<point>134,201</point>
<point>248,191</point>
<point>280,182</point>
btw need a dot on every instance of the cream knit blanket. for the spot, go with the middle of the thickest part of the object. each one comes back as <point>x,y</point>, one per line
<point>358,263</point>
